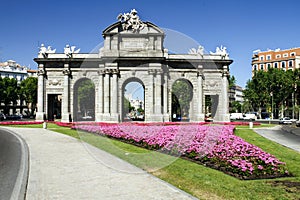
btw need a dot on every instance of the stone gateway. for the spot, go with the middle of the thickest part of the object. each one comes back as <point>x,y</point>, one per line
<point>133,51</point>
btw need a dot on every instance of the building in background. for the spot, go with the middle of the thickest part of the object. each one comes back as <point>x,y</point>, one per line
<point>12,69</point>
<point>280,59</point>
<point>236,96</point>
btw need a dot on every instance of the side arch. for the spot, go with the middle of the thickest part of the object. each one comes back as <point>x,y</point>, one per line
<point>84,103</point>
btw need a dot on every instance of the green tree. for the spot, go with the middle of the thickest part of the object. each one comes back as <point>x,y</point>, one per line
<point>236,107</point>
<point>182,94</point>
<point>28,92</point>
<point>10,93</point>
<point>127,105</point>
<point>231,81</point>
<point>86,97</point>
<point>269,91</point>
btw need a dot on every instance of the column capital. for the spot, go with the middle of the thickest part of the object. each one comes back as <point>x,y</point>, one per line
<point>151,71</point>
<point>101,72</point>
<point>200,74</point>
<point>66,72</point>
<point>159,71</point>
<point>41,72</point>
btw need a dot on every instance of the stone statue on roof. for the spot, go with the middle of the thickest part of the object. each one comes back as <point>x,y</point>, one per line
<point>45,51</point>
<point>131,21</point>
<point>199,51</point>
<point>222,51</point>
<point>69,50</point>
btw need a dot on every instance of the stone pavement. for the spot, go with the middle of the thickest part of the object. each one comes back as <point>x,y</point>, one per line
<point>62,167</point>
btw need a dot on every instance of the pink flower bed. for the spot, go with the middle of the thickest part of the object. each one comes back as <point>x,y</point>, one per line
<point>19,122</point>
<point>214,146</point>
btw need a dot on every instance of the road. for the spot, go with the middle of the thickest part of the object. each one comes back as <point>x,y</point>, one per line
<point>285,135</point>
<point>13,165</point>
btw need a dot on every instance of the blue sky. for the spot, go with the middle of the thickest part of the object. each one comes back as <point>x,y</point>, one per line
<point>241,26</point>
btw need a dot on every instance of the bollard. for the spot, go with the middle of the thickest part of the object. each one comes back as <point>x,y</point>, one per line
<point>45,125</point>
<point>250,125</point>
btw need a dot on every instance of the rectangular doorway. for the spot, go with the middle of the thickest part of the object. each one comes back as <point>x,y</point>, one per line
<point>54,107</point>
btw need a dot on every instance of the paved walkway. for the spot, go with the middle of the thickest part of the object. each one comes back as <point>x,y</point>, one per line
<point>61,167</point>
<point>285,135</point>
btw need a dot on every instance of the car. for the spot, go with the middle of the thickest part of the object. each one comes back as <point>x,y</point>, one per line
<point>2,117</point>
<point>285,120</point>
<point>298,123</point>
<point>236,116</point>
<point>249,116</point>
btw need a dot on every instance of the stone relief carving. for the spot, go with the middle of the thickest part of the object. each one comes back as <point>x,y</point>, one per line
<point>55,82</point>
<point>69,50</point>
<point>131,21</point>
<point>45,51</point>
<point>211,84</point>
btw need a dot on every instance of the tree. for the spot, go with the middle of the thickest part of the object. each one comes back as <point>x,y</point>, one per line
<point>236,107</point>
<point>231,81</point>
<point>10,93</point>
<point>28,92</point>
<point>182,94</point>
<point>86,97</point>
<point>269,91</point>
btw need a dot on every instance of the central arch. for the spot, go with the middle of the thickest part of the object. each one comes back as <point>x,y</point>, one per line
<point>133,100</point>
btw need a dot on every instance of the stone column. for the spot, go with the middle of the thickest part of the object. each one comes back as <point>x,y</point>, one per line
<point>99,112</point>
<point>106,88</point>
<point>224,99</point>
<point>40,101</point>
<point>157,99</point>
<point>200,114</point>
<point>165,95</point>
<point>114,96</point>
<point>149,107</point>
<point>65,115</point>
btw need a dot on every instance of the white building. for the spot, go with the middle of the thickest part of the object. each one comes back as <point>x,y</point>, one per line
<point>12,69</point>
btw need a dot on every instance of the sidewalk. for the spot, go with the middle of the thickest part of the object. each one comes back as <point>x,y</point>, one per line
<point>61,167</point>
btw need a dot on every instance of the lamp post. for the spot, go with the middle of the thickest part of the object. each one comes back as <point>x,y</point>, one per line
<point>272,106</point>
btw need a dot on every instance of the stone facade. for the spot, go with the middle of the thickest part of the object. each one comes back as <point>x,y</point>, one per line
<point>133,54</point>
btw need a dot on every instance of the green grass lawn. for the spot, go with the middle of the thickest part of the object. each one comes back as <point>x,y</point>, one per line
<point>198,180</point>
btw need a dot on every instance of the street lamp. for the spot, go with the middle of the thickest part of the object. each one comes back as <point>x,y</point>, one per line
<point>272,105</point>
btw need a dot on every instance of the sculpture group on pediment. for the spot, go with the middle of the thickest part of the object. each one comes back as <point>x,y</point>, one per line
<point>131,21</point>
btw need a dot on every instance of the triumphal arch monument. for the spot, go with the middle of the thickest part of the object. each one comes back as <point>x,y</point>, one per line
<point>133,50</point>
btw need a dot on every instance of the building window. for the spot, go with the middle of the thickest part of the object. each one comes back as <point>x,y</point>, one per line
<point>255,67</point>
<point>269,65</point>
<point>285,55</point>
<point>278,56</point>
<point>290,63</point>
<point>262,66</point>
<point>283,64</point>
<point>261,58</point>
<point>268,57</point>
<point>293,54</point>
<point>276,65</point>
